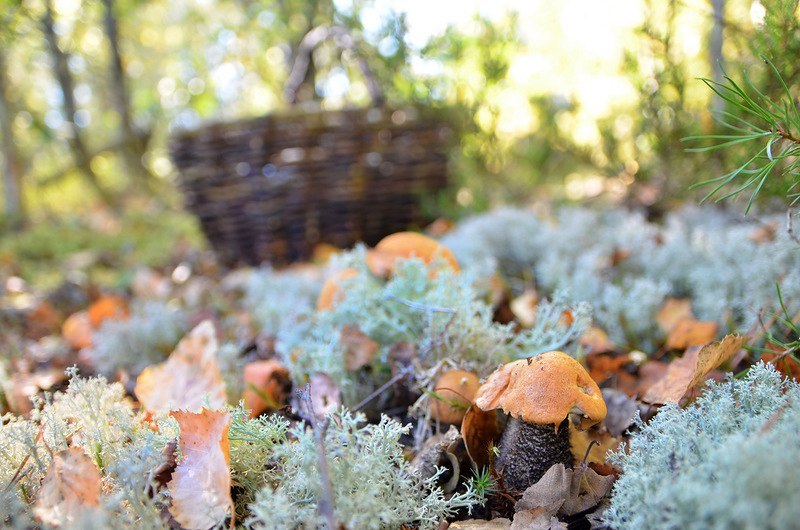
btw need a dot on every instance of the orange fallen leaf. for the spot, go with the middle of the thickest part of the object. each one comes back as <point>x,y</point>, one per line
<point>358,348</point>
<point>189,379</point>
<point>595,340</point>
<point>77,330</point>
<point>672,311</point>
<point>266,386</point>
<point>201,483</point>
<point>108,307</point>
<point>689,332</point>
<point>72,484</point>
<point>603,366</point>
<point>783,363</point>
<point>684,373</point>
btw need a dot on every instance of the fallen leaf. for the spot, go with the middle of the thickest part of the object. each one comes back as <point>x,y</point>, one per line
<point>481,430</point>
<point>358,348</point>
<point>77,330</point>
<point>672,311</point>
<point>689,332</point>
<point>189,380</point>
<point>22,386</point>
<point>785,364</point>
<point>564,491</point>
<point>108,307</point>
<point>524,307</point>
<point>499,523</point>
<point>621,410</point>
<point>324,395</point>
<point>201,483</point>
<point>764,233</point>
<point>595,340</point>
<point>605,443</point>
<point>41,320</point>
<point>536,519</point>
<point>687,371</point>
<point>267,385</point>
<point>603,367</point>
<point>72,485</point>
<point>331,293</point>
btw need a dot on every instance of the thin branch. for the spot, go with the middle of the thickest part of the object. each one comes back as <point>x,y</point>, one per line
<point>402,374</point>
<point>325,503</point>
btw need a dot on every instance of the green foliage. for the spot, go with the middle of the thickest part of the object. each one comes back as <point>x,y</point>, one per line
<point>147,337</point>
<point>774,128</point>
<point>372,485</point>
<point>724,462</point>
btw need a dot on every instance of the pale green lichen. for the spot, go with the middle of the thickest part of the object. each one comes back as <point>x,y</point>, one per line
<point>372,486</point>
<point>725,462</point>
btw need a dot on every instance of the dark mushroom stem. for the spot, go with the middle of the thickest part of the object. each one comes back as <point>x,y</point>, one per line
<point>528,450</point>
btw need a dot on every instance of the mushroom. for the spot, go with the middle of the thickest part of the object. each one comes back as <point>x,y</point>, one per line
<point>539,393</point>
<point>331,292</point>
<point>454,390</point>
<point>381,260</point>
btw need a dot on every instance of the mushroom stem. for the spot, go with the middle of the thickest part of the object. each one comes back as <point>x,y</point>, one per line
<point>528,450</point>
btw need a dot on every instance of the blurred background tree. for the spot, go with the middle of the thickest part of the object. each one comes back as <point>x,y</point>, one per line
<point>90,90</point>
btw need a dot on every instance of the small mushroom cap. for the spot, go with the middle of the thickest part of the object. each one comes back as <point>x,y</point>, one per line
<point>331,292</point>
<point>543,390</point>
<point>408,245</point>
<point>456,390</point>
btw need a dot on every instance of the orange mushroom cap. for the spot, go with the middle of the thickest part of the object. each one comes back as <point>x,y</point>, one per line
<point>456,390</point>
<point>408,245</point>
<point>544,390</point>
<point>331,292</point>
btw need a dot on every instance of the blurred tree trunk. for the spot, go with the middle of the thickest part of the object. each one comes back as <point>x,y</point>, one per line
<point>12,170</point>
<point>65,82</point>
<point>134,141</point>
<point>715,50</point>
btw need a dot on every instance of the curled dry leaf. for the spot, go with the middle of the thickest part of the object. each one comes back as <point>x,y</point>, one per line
<point>595,340</point>
<point>359,349</point>
<point>621,411</point>
<point>201,483</point>
<point>691,332</point>
<point>189,379</point>
<point>72,484</point>
<point>672,311</point>
<point>481,431</point>
<point>684,373</point>
<point>267,384</point>
<point>565,491</point>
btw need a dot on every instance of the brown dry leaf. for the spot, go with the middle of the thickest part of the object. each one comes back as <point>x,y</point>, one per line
<point>41,320</point>
<point>358,348</point>
<point>72,484</point>
<point>595,340</point>
<point>499,523</point>
<point>201,483</point>
<point>189,379</point>
<point>23,386</point>
<point>77,330</point>
<point>684,373</point>
<point>621,410</point>
<point>108,307</point>
<point>764,233</point>
<point>536,519</point>
<point>785,364</point>
<point>524,307</point>
<point>602,366</point>
<point>689,332</point>
<point>480,430</point>
<point>267,384</point>
<point>672,311</point>
<point>564,491</point>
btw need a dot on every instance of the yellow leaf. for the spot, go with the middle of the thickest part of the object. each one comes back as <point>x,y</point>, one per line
<point>72,484</point>
<point>189,379</point>
<point>201,483</point>
<point>684,373</point>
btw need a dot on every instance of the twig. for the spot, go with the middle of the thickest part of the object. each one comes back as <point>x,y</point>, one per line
<point>790,226</point>
<point>400,375</point>
<point>325,503</point>
<point>421,307</point>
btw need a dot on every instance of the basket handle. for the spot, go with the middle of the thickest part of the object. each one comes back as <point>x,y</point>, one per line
<point>344,40</point>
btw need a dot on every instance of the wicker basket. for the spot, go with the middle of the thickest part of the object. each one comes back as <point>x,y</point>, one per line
<point>270,189</point>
